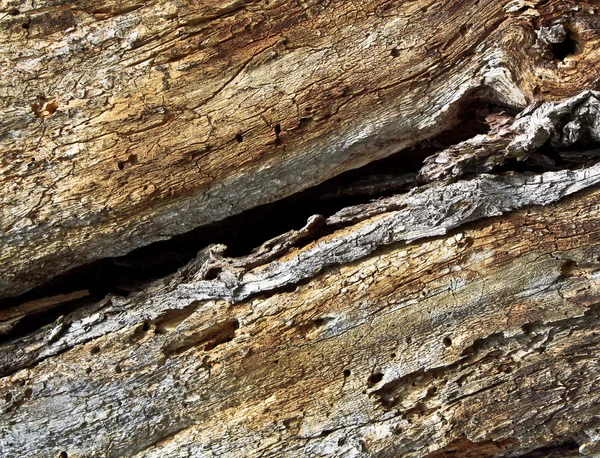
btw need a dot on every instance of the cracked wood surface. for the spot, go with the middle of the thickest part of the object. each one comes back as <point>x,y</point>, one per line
<point>122,124</point>
<point>428,214</point>
<point>355,344</point>
<point>426,211</point>
<point>420,324</point>
<point>487,336</point>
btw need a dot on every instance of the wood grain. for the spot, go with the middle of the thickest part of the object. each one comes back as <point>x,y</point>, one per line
<point>124,125</point>
<point>487,334</point>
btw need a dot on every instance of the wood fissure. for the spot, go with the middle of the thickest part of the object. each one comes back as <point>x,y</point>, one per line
<point>300,228</point>
<point>260,67</point>
<point>422,213</point>
<point>527,325</point>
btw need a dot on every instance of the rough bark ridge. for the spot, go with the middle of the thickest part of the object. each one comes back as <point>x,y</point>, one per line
<point>441,302</point>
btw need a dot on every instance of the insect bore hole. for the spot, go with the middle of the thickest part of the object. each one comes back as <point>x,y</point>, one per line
<point>565,48</point>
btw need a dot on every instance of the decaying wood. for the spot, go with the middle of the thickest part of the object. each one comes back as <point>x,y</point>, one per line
<point>124,125</point>
<point>394,351</point>
<point>489,333</point>
<point>561,125</point>
<point>448,307</point>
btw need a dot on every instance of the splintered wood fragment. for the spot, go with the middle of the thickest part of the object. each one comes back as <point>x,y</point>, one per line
<point>423,213</point>
<point>484,335</point>
<point>568,124</point>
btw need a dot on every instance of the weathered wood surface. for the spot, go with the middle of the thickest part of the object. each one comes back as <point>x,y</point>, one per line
<point>471,339</point>
<point>123,124</point>
<point>454,315</point>
<point>487,335</point>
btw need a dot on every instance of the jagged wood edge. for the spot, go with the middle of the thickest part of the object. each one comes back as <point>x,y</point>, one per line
<point>166,402</point>
<point>428,211</point>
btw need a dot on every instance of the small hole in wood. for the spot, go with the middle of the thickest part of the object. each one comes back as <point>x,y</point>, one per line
<point>565,48</point>
<point>374,379</point>
<point>447,341</point>
<point>63,454</point>
<point>320,322</point>
<point>305,122</point>
<point>95,350</point>
<point>118,369</point>
<point>132,159</point>
<point>8,397</point>
<point>44,108</point>
<point>394,52</point>
<point>88,371</point>
<point>347,373</point>
<point>14,12</point>
<point>212,274</point>
<point>239,138</point>
<point>568,268</point>
<point>277,129</point>
<point>28,393</point>
<point>25,26</point>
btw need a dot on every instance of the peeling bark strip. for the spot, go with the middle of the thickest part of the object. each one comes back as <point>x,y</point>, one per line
<point>121,126</point>
<point>489,334</point>
<point>563,127</point>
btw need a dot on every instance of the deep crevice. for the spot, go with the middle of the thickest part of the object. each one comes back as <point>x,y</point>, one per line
<point>548,158</point>
<point>567,448</point>
<point>243,232</point>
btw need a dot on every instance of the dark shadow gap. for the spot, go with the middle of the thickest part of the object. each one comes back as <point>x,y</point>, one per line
<point>180,250</point>
<point>567,448</point>
<point>565,48</point>
<point>243,232</point>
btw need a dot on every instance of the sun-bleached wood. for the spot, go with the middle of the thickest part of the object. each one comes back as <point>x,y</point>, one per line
<point>457,317</point>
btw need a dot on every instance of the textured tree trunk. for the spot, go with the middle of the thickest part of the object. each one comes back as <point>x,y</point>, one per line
<point>300,228</point>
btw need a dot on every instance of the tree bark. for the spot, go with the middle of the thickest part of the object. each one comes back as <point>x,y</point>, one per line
<point>300,228</point>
